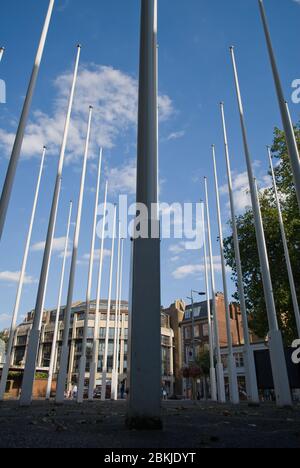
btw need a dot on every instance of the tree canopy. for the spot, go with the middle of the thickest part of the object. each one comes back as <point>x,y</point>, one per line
<point>249,252</point>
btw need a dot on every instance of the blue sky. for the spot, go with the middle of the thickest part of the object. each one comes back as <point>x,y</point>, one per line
<point>195,74</point>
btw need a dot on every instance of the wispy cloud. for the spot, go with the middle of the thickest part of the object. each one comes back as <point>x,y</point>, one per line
<point>241,190</point>
<point>58,245</point>
<point>187,270</point>
<point>14,277</point>
<point>114,97</point>
<point>176,135</point>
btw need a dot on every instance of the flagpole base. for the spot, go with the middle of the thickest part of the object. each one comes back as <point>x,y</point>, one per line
<point>220,383</point>
<point>82,367</point>
<point>251,378</point>
<point>279,369</point>
<point>146,423</point>
<point>233,382</point>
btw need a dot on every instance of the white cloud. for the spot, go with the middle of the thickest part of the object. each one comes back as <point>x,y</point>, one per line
<point>58,245</point>
<point>14,276</point>
<point>122,179</point>
<point>86,257</point>
<point>176,135</point>
<point>185,271</point>
<point>241,190</point>
<point>114,97</point>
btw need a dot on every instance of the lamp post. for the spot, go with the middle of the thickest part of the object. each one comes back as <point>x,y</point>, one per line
<point>15,155</point>
<point>278,361</point>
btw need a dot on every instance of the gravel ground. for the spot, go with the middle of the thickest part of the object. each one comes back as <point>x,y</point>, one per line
<point>186,425</point>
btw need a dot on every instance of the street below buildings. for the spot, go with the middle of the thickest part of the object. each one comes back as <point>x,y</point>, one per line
<point>186,425</point>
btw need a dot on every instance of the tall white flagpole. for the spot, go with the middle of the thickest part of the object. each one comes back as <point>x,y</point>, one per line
<point>212,371</point>
<point>250,369</point>
<point>63,365</point>
<point>286,248</point>
<point>286,121</point>
<point>33,343</point>
<point>278,361</point>
<point>14,159</point>
<point>119,322</point>
<point>219,367</point>
<point>55,333</point>
<point>232,371</point>
<point>113,396</point>
<point>95,350</point>
<point>82,365</point>
<point>6,367</point>
<point>105,359</point>
<point>1,53</point>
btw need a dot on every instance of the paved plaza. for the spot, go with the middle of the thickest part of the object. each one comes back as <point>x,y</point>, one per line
<point>186,425</point>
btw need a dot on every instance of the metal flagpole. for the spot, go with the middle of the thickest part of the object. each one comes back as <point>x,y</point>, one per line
<point>6,366</point>
<point>63,366</point>
<point>250,369</point>
<point>212,372</point>
<point>95,350</point>
<point>105,359</point>
<point>56,331</point>
<point>287,124</point>
<point>116,316</point>
<point>286,248</point>
<point>1,53</point>
<point>219,367</point>
<point>33,343</point>
<point>232,371</point>
<point>14,159</point>
<point>119,321</point>
<point>82,365</point>
<point>145,333</point>
<point>279,366</point>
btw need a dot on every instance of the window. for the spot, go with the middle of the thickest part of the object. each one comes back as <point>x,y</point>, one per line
<point>19,356</point>
<point>187,315</point>
<point>197,331</point>
<point>239,360</point>
<point>188,333</point>
<point>205,330</point>
<point>22,340</point>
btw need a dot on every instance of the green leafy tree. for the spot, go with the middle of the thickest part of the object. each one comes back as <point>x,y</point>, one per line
<point>249,252</point>
<point>3,337</point>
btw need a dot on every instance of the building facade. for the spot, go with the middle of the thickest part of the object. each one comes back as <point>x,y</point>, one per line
<point>75,343</point>
<point>2,352</point>
<point>197,340</point>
